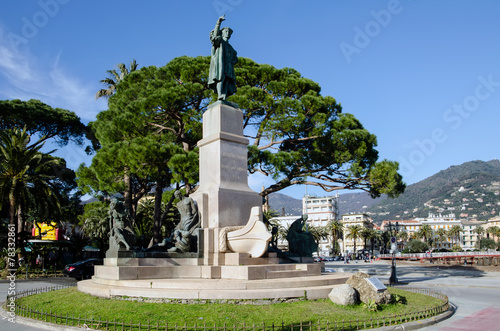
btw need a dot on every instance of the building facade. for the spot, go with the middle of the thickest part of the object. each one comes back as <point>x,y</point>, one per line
<point>467,239</point>
<point>348,221</point>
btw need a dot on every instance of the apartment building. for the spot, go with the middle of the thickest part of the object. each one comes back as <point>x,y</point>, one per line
<point>349,220</point>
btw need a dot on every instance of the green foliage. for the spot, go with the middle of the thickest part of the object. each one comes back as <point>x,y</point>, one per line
<point>336,228</point>
<point>298,135</point>
<point>417,246</point>
<point>425,232</point>
<point>302,137</point>
<point>58,124</point>
<point>26,179</point>
<point>371,305</point>
<point>487,243</point>
<point>96,224</point>
<point>114,77</point>
<point>399,299</point>
<point>354,232</point>
<point>71,301</point>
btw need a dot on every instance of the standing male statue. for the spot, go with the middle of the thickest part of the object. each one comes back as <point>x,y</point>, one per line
<point>221,78</point>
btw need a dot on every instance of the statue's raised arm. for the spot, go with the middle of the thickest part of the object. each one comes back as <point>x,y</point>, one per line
<point>222,79</point>
<point>219,21</point>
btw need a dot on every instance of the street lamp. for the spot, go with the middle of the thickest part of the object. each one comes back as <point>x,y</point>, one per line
<point>393,279</point>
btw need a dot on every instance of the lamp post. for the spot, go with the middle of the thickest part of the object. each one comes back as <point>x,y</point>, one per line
<point>393,279</point>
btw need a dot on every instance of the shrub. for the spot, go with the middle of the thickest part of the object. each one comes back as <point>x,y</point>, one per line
<point>418,246</point>
<point>371,306</point>
<point>487,243</point>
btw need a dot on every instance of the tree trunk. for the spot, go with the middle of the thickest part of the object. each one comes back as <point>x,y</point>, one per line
<point>157,212</point>
<point>12,206</point>
<point>127,196</point>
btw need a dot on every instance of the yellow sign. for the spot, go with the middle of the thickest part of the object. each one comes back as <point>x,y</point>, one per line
<point>48,231</point>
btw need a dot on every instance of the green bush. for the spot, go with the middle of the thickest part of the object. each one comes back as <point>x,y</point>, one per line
<point>487,243</point>
<point>418,246</point>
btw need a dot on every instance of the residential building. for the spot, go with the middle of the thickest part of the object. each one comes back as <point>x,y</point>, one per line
<point>320,211</point>
<point>469,235</point>
<point>468,238</point>
<point>349,220</point>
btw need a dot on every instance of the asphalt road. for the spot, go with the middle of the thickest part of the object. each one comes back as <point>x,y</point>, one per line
<point>20,285</point>
<point>474,293</point>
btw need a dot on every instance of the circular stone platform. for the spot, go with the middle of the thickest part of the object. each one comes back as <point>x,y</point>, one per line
<point>312,287</point>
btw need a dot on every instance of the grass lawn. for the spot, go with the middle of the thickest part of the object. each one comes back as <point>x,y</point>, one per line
<point>73,303</point>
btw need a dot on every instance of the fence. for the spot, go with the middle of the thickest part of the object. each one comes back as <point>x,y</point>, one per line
<point>442,254</point>
<point>98,324</point>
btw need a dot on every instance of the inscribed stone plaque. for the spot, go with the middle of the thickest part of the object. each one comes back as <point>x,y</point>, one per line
<point>377,284</point>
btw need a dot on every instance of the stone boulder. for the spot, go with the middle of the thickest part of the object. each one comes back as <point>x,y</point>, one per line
<point>367,292</point>
<point>344,295</point>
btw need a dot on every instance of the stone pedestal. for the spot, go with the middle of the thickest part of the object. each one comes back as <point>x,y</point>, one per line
<point>229,263</point>
<point>223,197</point>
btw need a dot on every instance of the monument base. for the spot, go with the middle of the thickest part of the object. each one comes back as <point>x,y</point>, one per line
<point>237,276</point>
<point>310,287</point>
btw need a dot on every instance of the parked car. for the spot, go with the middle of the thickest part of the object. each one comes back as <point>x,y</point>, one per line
<point>82,269</point>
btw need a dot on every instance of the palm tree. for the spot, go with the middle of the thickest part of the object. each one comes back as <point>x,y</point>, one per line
<point>270,214</point>
<point>365,234</point>
<point>22,177</point>
<point>376,236</point>
<point>425,232</point>
<point>479,230</point>
<point>354,232</point>
<point>335,227</point>
<point>442,234</point>
<point>319,233</point>
<point>403,235</point>
<point>115,77</point>
<point>454,233</point>
<point>494,231</point>
<point>96,223</point>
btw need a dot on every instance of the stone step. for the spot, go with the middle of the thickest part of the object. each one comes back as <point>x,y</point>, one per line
<point>211,289</point>
<point>286,274</point>
<point>248,272</point>
<point>227,284</point>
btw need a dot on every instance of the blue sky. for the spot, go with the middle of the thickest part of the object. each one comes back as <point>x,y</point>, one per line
<point>423,76</point>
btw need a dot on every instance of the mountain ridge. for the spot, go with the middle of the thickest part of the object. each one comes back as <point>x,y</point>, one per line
<point>470,191</point>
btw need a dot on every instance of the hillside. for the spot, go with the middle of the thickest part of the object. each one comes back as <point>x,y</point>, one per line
<point>356,202</point>
<point>348,203</point>
<point>285,204</point>
<point>470,191</point>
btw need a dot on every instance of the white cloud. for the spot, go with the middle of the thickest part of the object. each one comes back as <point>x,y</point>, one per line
<point>28,77</point>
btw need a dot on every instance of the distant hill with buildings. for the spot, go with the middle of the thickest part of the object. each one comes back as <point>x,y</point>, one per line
<point>285,205</point>
<point>471,191</point>
<point>348,203</point>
